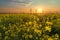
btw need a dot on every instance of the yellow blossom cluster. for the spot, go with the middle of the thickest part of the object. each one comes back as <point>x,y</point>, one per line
<point>29,27</point>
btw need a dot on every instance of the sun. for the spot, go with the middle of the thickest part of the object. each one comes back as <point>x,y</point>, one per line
<point>39,10</point>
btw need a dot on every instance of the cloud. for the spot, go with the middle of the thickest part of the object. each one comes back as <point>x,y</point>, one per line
<point>22,1</point>
<point>15,3</point>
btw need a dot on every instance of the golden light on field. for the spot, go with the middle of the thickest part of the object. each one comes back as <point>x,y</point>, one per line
<point>39,10</point>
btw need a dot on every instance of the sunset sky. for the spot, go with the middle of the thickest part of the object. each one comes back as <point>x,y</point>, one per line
<point>24,5</point>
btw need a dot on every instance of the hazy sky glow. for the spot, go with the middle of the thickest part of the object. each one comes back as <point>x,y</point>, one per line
<point>29,3</point>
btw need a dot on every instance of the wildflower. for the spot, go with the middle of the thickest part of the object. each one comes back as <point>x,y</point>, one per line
<point>30,36</point>
<point>56,35</point>
<point>13,34</point>
<point>28,30</point>
<point>30,22</point>
<point>50,38</point>
<point>37,19</point>
<point>27,23</point>
<point>40,25</point>
<point>38,31</point>
<point>37,38</point>
<point>49,23</point>
<point>4,28</point>
<point>6,33</point>
<point>48,28</point>
<point>34,22</point>
<point>22,35</point>
<point>6,37</point>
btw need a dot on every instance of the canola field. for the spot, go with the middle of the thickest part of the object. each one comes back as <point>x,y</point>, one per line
<point>29,27</point>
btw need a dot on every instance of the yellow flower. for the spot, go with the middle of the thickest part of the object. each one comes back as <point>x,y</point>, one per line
<point>36,37</point>
<point>34,22</point>
<point>27,23</point>
<point>50,39</point>
<point>6,37</point>
<point>37,19</point>
<point>4,28</point>
<point>13,34</point>
<point>40,25</point>
<point>30,36</point>
<point>56,36</point>
<point>6,33</point>
<point>30,22</point>
<point>48,28</point>
<point>28,30</point>
<point>22,35</point>
<point>49,23</point>
<point>38,31</point>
